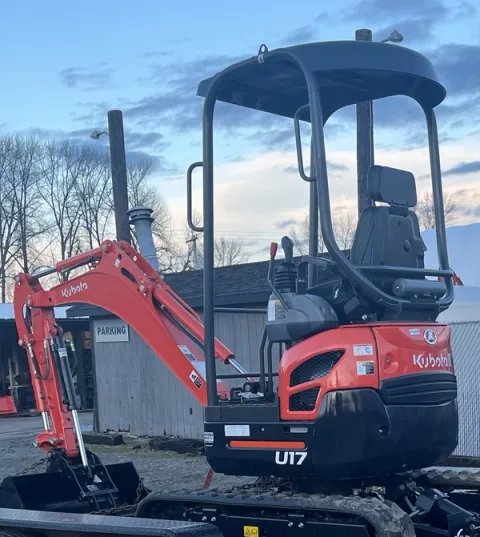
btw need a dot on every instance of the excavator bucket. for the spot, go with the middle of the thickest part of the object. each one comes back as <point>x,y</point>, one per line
<point>112,489</point>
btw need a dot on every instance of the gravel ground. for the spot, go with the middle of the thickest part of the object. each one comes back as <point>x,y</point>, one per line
<point>158,468</point>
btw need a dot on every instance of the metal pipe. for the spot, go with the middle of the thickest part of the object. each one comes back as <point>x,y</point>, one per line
<point>45,271</point>
<point>45,420</point>
<point>81,443</point>
<point>241,310</point>
<point>365,142</point>
<point>118,163</point>
<point>261,356</point>
<point>344,265</point>
<point>141,218</point>
<point>436,173</point>
<point>208,241</point>
<point>312,222</point>
<point>241,376</point>
<point>240,369</point>
<point>270,367</point>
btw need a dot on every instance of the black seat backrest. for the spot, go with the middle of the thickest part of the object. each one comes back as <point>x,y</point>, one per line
<point>389,234</point>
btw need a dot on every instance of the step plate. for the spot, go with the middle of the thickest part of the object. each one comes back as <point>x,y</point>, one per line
<point>68,523</point>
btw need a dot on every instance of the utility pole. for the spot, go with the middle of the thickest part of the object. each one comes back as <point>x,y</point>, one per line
<point>196,263</point>
<point>365,145</point>
<point>118,164</point>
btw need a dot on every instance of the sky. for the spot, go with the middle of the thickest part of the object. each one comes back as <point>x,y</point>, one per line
<point>69,63</point>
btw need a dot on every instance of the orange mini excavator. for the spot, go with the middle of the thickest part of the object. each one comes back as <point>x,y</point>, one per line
<point>338,435</point>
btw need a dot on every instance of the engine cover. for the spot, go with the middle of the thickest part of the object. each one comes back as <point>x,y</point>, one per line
<point>306,315</point>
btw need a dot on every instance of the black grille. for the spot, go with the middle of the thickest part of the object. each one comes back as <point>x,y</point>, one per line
<point>316,368</point>
<point>304,400</point>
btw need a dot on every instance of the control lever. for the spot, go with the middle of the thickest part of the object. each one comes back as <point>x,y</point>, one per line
<point>273,253</point>
<point>287,246</point>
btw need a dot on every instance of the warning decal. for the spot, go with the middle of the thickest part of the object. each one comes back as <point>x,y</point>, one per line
<point>365,368</point>
<point>363,350</point>
<point>196,379</point>
<point>250,531</point>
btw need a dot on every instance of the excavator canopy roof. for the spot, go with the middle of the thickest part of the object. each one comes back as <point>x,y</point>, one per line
<point>347,72</point>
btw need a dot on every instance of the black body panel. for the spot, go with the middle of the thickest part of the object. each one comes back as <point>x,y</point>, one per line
<point>426,389</point>
<point>356,435</point>
<point>254,412</point>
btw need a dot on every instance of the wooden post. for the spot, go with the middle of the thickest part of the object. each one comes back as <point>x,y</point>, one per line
<point>365,144</point>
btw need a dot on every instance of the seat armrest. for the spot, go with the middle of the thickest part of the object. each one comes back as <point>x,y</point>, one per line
<point>407,288</point>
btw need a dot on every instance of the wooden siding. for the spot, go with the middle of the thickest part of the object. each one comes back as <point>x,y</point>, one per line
<point>136,392</point>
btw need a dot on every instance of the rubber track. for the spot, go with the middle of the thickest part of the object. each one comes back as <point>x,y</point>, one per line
<point>447,477</point>
<point>387,519</point>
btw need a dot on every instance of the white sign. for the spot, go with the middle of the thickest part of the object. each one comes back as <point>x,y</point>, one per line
<point>237,430</point>
<point>110,330</point>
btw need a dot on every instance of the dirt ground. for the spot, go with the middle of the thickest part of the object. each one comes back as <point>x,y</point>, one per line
<point>158,468</point>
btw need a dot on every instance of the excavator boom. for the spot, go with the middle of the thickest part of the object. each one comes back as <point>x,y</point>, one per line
<point>121,281</point>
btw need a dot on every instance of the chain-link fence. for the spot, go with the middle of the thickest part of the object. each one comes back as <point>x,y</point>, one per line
<point>466,355</point>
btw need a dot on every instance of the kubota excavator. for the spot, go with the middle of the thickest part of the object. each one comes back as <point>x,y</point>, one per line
<point>340,437</point>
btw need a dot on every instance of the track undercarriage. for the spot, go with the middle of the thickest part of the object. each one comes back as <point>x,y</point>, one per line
<point>423,503</point>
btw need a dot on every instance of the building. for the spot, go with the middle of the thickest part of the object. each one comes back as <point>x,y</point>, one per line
<point>15,378</point>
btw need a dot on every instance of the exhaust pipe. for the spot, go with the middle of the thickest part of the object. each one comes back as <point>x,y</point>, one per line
<point>141,218</point>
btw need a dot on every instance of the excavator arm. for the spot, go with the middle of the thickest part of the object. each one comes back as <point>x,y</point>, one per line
<point>121,281</point>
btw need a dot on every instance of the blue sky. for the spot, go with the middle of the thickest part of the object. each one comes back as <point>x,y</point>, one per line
<point>67,64</point>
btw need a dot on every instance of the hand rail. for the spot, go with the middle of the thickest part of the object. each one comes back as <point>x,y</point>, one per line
<point>191,225</point>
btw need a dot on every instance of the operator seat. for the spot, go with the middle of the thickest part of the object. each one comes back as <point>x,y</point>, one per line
<point>387,234</point>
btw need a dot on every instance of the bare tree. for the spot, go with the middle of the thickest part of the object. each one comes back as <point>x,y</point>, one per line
<point>229,252</point>
<point>141,192</point>
<point>63,164</point>
<point>344,226</point>
<point>25,177</point>
<point>425,210</point>
<point>93,192</point>
<point>8,216</point>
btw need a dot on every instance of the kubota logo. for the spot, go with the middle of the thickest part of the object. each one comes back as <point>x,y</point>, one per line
<point>430,361</point>
<point>74,289</point>
<point>429,336</point>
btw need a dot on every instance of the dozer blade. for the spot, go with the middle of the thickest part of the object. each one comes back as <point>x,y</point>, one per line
<point>113,489</point>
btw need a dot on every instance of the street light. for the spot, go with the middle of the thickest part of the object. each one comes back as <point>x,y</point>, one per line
<point>95,134</point>
<point>394,37</point>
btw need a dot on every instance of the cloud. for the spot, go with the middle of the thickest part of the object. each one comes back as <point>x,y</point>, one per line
<point>87,78</point>
<point>381,11</point>
<point>156,54</point>
<point>304,34</point>
<point>275,139</point>
<point>287,223</point>
<point>465,10</point>
<point>463,168</point>
<point>280,198</point>
<point>457,65</point>
<point>179,110</point>
<point>331,166</point>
